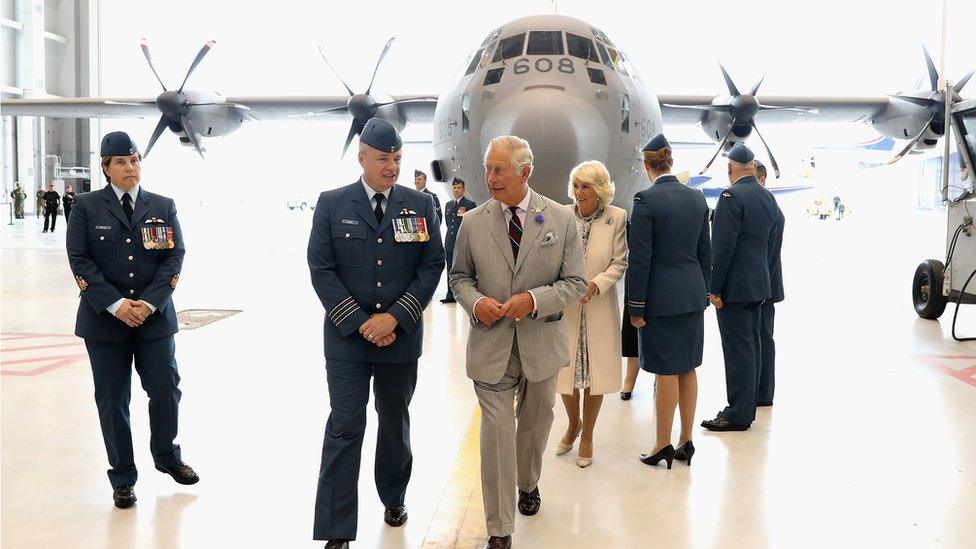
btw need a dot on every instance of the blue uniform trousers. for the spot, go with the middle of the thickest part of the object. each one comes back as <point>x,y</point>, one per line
<point>336,502</point>
<point>449,255</point>
<point>767,376</point>
<point>739,325</point>
<point>155,362</point>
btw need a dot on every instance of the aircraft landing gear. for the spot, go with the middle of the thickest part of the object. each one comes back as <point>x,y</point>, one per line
<point>927,289</point>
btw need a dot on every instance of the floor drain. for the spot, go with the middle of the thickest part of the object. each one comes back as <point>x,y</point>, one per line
<point>192,319</point>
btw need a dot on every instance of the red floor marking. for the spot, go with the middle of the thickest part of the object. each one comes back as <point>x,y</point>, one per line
<point>45,363</point>
<point>965,375</point>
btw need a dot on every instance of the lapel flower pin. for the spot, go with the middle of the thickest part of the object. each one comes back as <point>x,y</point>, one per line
<point>539,218</point>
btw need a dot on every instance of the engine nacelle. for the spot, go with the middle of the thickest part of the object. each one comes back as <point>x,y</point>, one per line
<point>716,125</point>
<point>901,120</point>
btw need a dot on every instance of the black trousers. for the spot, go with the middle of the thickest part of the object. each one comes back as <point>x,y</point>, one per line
<point>336,502</point>
<point>449,254</point>
<point>739,325</point>
<point>155,362</point>
<point>767,374</point>
<point>67,212</point>
<point>52,215</point>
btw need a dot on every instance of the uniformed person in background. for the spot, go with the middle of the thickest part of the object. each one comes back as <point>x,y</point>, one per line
<point>126,250</point>
<point>455,213</point>
<point>68,201</point>
<point>375,257</point>
<point>420,183</point>
<point>742,234</point>
<point>19,196</point>
<point>39,202</point>
<point>52,201</point>
<point>767,376</point>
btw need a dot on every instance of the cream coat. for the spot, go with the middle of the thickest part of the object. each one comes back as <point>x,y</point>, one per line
<point>606,262</point>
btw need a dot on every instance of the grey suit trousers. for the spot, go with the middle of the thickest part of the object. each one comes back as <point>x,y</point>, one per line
<point>516,416</point>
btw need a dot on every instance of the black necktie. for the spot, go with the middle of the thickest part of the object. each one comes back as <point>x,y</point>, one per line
<point>515,231</point>
<point>127,206</point>
<point>378,210</point>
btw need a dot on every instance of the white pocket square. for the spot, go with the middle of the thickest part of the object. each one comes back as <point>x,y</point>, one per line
<point>550,239</point>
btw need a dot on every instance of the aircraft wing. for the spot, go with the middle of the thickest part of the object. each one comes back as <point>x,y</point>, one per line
<point>415,108</point>
<point>687,109</point>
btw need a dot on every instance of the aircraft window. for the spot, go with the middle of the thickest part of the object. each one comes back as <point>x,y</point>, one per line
<point>494,76</point>
<point>604,55</point>
<point>474,62</point>
<point>494,34</point>
<point>465,112</point>
<point>509,47</point>
<point>489,51</point>
<point>581,47</point>
<point>545,43</point>
<point>597,76</point>
<point>599,34</point>
<point>617,61</point>
<point>625,113</point>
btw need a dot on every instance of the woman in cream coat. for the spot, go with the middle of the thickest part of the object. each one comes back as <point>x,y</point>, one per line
<point>594,322</point>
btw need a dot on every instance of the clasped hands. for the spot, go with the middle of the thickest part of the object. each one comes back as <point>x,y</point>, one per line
<point>133,312</point>
<point>378,330</point>
<point>489,311</point>
<point>716,300</point>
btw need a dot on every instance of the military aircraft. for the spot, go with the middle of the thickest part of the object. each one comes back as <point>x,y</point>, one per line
<point>554,80</point>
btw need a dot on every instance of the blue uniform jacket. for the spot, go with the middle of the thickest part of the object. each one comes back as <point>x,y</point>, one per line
<point>775,261</point>
<point>453,220</point>
<point>359,269</point>
<point>110,261</point>
<point>742,236</point>
<point>669,260</point>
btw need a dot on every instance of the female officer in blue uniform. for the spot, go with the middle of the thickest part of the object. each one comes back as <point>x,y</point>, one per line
<point>126,250</point>
<point>667,281</point>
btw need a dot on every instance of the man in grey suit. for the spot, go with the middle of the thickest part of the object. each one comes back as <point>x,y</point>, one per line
<point>514,284</point>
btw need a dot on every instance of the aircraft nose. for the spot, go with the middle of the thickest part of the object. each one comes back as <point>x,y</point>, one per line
<point>562,130</point>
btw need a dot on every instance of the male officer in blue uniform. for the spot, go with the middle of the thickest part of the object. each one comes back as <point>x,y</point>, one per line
<point>742,234</point>
<point>375,256</point>
<point>420,183</point>
<point>767,377</point>
<point>455,213</point>
<point>126,250</point>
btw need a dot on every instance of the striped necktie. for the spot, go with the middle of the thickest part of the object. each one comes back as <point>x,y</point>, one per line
<point>515,231</point>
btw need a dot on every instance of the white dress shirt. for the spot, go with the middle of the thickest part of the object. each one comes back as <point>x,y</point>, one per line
<point>133,193</point>
<point>371,192</point>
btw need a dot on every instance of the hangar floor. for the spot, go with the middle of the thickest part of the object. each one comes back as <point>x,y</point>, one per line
<point>871,441</point>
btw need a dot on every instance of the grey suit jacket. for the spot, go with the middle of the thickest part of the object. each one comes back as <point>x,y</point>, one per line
<point>550,265</point>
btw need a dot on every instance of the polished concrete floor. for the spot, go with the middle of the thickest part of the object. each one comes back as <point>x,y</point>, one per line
<point>871,442</point>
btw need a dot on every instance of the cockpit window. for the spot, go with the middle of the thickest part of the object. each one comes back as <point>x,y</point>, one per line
<point>604,56</point>
<point>493,76</point>
<point>597,76</point>
<point>581,47</point>
<point>545,43</point>
<point>509,47</point>
<point>494,34</point>
<point>618,62</point>
<point>474,62</point>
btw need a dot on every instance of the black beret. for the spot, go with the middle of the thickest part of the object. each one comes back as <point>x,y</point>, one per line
<point>381,135</point>
<point>657,143</point>
<point>118,144</point>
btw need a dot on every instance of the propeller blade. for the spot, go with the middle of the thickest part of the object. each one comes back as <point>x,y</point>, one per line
<point>355,129</point>
<point>701,108</point>
<point>348,89</point>
<point>160,127</point>
<point>203,52</point>
<point>145,51</point>
<point>795,109</point>
<point>911,144</point>
<point>191,135</point>
<point>933,74</point>
<point>343,109</point>
<point>720,147</point>
<point>217,103</point>
<point>962,83</point>
<point>733,91</point>
<point>755,88</point>
<point>129,103</point>
<point>913,100</point>
<point>411,100</point>
<point>772,160</point>
<point>380,60</point>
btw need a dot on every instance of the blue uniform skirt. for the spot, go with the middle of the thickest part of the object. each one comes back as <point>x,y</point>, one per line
<point>672,344</point>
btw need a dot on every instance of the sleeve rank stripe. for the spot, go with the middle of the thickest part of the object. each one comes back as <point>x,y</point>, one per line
<point>407,306</point>
<point>342,308</point>
<point>343,312</point>
<point>416,303</point>
<point>348,314</point>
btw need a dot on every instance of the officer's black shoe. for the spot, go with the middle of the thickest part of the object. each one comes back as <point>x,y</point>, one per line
<point>498,542</point>
<point>337,544</point>
<point>124,496</point>
<point>764,404</point>
<point>182,473</point>
<point>721,424</point>
<point>529,502</point>
<point>395,516</point>
<point>448,300</point>
<point>44,231</point>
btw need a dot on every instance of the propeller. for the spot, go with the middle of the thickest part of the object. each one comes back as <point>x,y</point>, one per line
<point>175,105</point>
<point>361,106</point>
<point>742,108</point>
<point>932,100</point>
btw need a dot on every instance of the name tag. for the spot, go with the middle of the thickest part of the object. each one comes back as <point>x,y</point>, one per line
<point>350,222</point>
<point>103,227</point>
<point>158,238</point>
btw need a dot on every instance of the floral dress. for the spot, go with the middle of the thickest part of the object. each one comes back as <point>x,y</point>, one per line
<point>581,376</point>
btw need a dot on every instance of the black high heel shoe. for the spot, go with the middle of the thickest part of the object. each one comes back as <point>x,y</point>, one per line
<point>684,452</point>
<point>625,395</point>
<point>666,453</point>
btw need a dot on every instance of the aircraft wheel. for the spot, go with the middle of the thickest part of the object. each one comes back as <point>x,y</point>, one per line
<point>927,289</point>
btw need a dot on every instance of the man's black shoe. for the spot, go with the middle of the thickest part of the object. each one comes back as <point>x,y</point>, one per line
<point>182,473</point>
<point>448,300</point>
<point>395,516</point>
<point>337,544</point>
<point>498,542</point>
<point>124,496</point>
<point>529,502</point>
<point>721,424</point>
